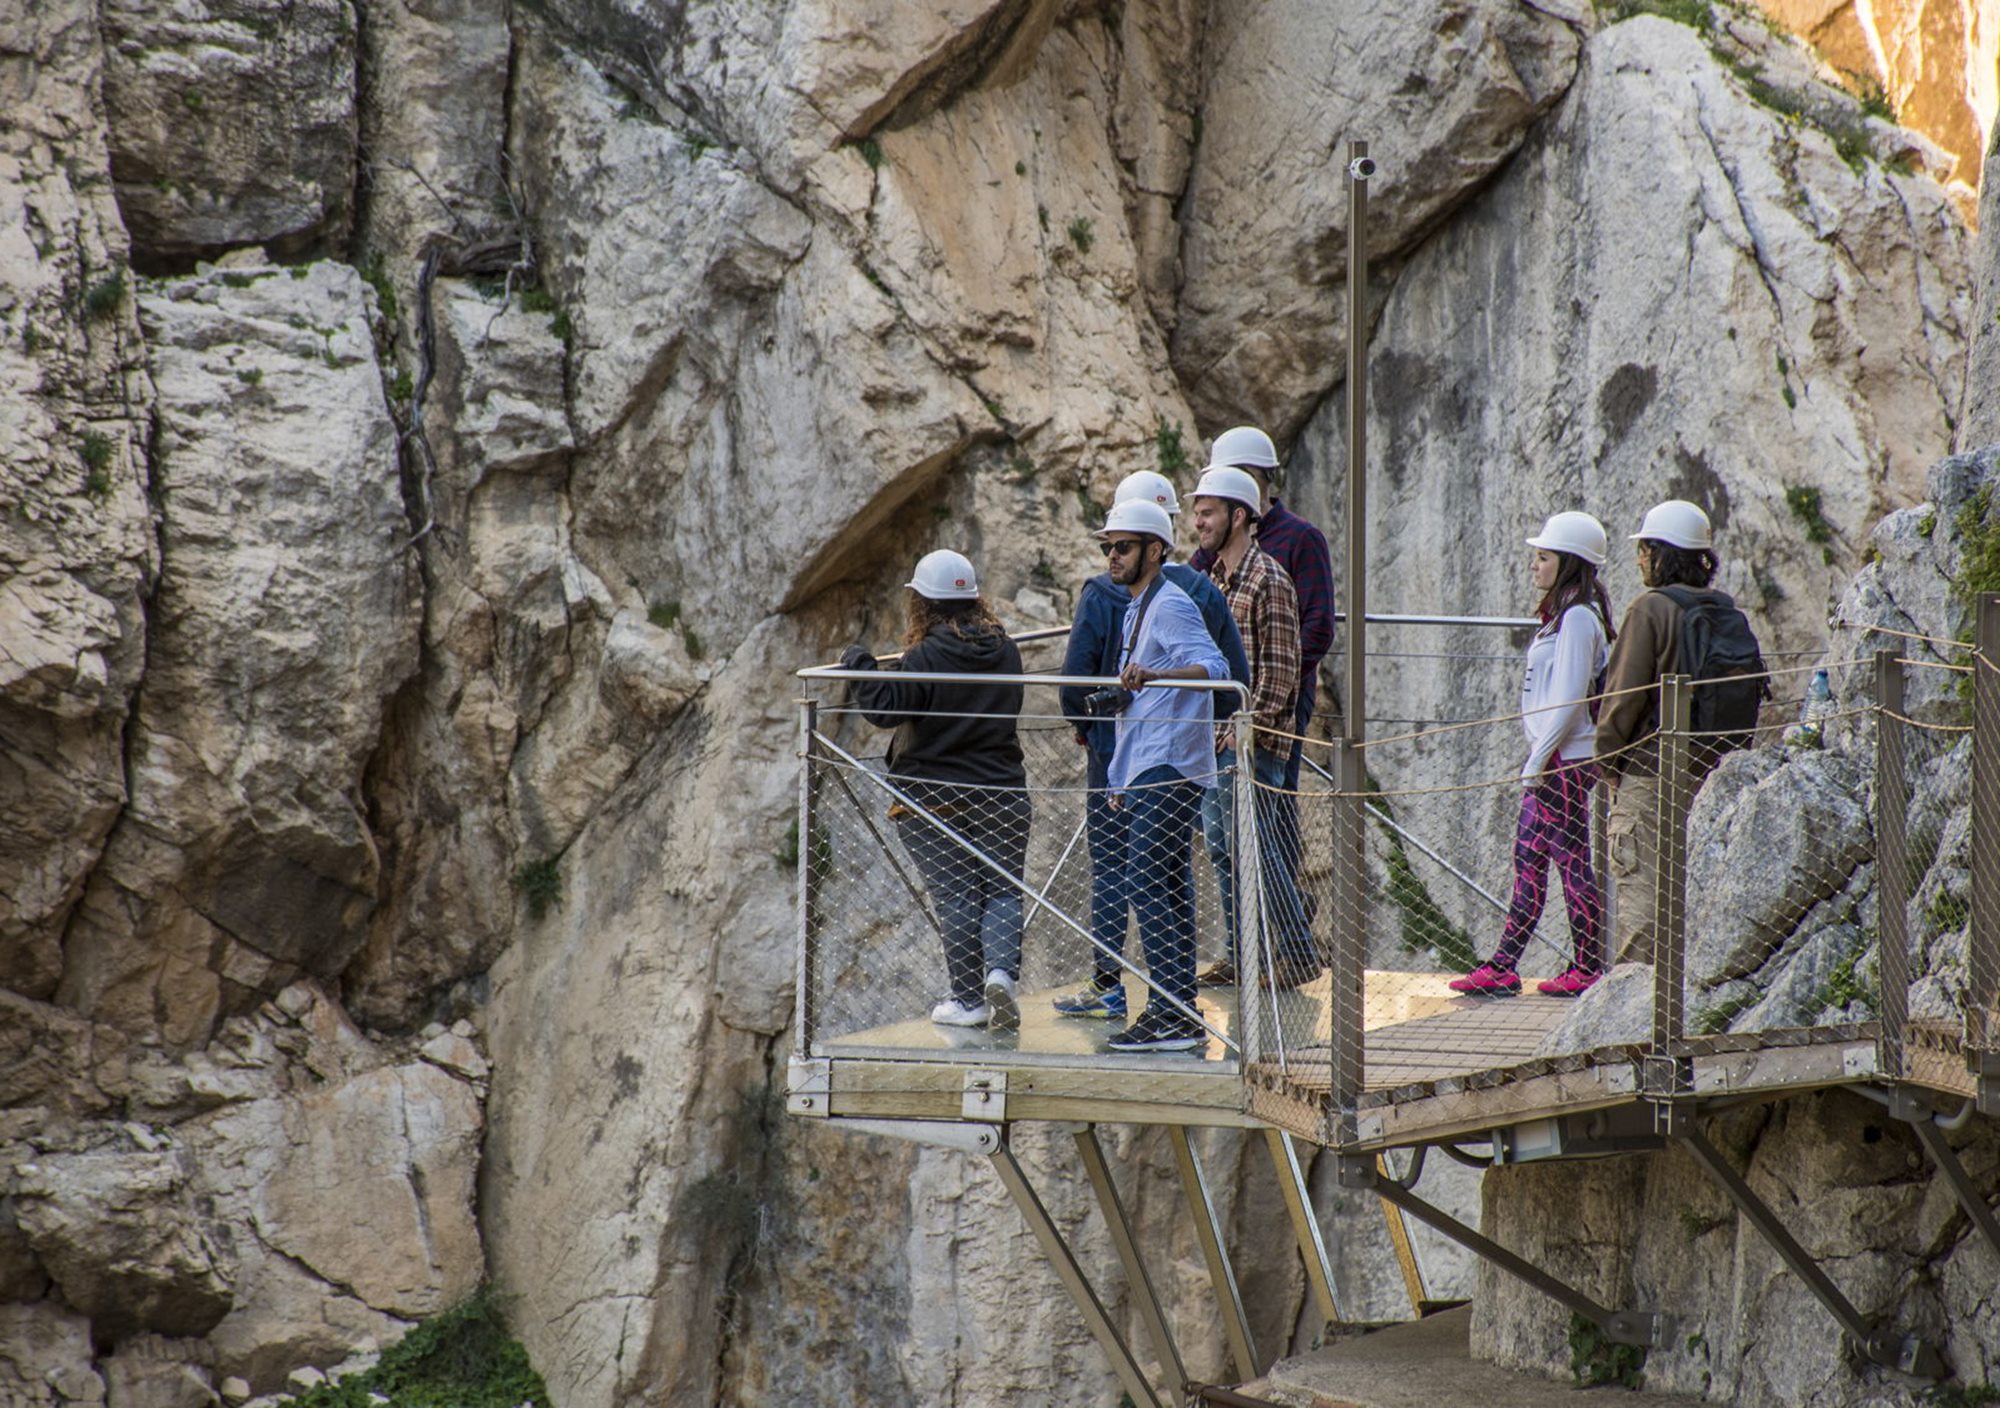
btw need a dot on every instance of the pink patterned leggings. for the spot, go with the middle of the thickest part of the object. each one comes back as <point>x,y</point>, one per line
<point>1555,826</point>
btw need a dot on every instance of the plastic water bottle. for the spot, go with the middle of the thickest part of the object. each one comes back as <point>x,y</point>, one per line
<point>1810,730</point>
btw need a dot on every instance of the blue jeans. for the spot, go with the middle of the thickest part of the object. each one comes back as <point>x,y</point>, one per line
<point>1105,834</point>
<point>1160,809</point>
<point>979,913</point>
<point>1286,914</point>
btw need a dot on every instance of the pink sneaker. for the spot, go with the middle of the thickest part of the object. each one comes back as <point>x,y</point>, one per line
<point>1487,981</point>
<point>1570,984</point>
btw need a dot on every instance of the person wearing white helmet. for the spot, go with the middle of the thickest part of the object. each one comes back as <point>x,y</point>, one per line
<point>1676,549</point>
<point>1301,550</point>
<point>1093,651</point>
<point>958,756</point>
<point>1566,658</point>
<point>1163,756</point>
<point>1227,505</point>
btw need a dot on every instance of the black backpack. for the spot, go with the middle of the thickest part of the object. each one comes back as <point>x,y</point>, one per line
<point>1717,644</point>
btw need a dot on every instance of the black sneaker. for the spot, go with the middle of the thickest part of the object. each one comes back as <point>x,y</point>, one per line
<point>1153,1030</point>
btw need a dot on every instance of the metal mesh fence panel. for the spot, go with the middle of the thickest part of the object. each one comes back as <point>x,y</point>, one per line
<point>1982,881</point>
<point>920,889</point>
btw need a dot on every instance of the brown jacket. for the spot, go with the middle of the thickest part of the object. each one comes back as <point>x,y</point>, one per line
<point>1648,648</point>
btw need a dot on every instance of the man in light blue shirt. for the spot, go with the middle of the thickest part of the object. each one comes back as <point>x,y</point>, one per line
<point>1165,756</point>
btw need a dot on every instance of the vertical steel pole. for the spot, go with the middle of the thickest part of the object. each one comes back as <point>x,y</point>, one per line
<point>1983,935</point>
<point>1246,862</point>
<point>808,898</point>
<point>1892,874</point>
<point>1347,972</point>
<point>1676,791</point>
<point>1354,706</point>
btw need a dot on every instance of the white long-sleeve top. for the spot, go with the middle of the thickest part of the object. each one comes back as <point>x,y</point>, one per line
<point>1562,664</point>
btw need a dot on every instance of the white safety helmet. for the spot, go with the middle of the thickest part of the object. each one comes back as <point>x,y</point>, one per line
<point>1223,481</point>
<point>1139,516</point>
<point>1678,522</point>
<point>1148,484</point>
<point>945,575</point>
<point>1575,533</point>
<point>1244,445</point>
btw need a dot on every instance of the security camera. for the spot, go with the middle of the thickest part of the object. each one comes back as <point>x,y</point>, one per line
<point>1361,168</point>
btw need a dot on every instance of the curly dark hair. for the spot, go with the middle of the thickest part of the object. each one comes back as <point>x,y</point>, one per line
<point>966,618</point>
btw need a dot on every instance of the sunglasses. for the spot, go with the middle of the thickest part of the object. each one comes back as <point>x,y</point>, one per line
<point>1121,547</point>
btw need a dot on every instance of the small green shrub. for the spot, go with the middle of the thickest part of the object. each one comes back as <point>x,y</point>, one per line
<point>1020,168</point>
<point>664,614</point>
<point>540,884</point>
<point>1042,214</point>
<point>1804,502</point>
<point>1842,988</point>
<point>232,279</point>
<point>1594,1359</point>
<point>463,1358</point>
<point>1172,453</point>
<point>695,649</point>
<point>1947,913</point>
<point>1927,525</point>
<point>402,387</point>
<point>871,152</point>
<point>300,272</point>
<point>104,298</point>
<point>193,101</point>
<point>1978,548</point>
<point>1875,101</point>
<point>377,277</point>
<point>1696,14</point>
<point>1712,1021</point>
<point>1960,1395</point>
<point>96,450</point>
<point>993,409</point>
<point>1081,235</point>
<point>787,853</point>
<point>250,376</point>
<point>31,339</point>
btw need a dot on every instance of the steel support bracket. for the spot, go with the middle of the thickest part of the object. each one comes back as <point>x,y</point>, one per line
<point>985,1096</point>
<point>809,1087</point>
<point>1905,1353</point>
<point>938,1134</point>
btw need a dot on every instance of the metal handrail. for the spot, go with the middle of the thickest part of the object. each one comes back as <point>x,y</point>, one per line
<point>834,672</point>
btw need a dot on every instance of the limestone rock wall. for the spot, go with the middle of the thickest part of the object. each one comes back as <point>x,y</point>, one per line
<point>438,430</point>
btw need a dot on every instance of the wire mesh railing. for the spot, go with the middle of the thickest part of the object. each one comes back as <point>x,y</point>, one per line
<point>1040,918</point>
<point>1812,875</point>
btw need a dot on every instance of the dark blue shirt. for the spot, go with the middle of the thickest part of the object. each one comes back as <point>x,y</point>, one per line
<point>1094,643</point>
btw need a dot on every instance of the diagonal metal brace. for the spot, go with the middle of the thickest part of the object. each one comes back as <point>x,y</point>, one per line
<point>1877,1340</point>
<point>1648,1328</point>
<point>1064,1263</point>
<point>1916,1109</point>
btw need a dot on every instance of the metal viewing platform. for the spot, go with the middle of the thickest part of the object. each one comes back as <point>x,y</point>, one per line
<point>1393,875</point>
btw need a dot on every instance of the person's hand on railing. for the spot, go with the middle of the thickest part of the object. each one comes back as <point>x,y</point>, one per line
<point>857,657</point>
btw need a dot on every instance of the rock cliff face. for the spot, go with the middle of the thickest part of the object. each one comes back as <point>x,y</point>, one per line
<point>435,432</point>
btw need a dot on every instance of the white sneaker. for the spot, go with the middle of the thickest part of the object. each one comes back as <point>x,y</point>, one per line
<point>953,1013</point>
<point>1004,1000</point>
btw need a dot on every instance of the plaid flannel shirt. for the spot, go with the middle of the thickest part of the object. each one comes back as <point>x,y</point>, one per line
<point>1301,550</point>
<point>1266,607</point>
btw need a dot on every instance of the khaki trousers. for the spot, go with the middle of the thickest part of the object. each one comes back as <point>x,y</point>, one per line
<point>1632,839</point>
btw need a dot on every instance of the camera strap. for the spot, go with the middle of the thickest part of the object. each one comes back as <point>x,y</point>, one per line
<point>1145,603</point>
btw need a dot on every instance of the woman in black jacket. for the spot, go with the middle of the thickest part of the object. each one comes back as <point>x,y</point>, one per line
<point>956,754</point>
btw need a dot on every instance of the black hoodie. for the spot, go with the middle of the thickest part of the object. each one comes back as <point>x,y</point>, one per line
<point>947,746</point>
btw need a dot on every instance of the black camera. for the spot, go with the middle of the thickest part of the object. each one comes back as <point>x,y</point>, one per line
<point>1107,703</point>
